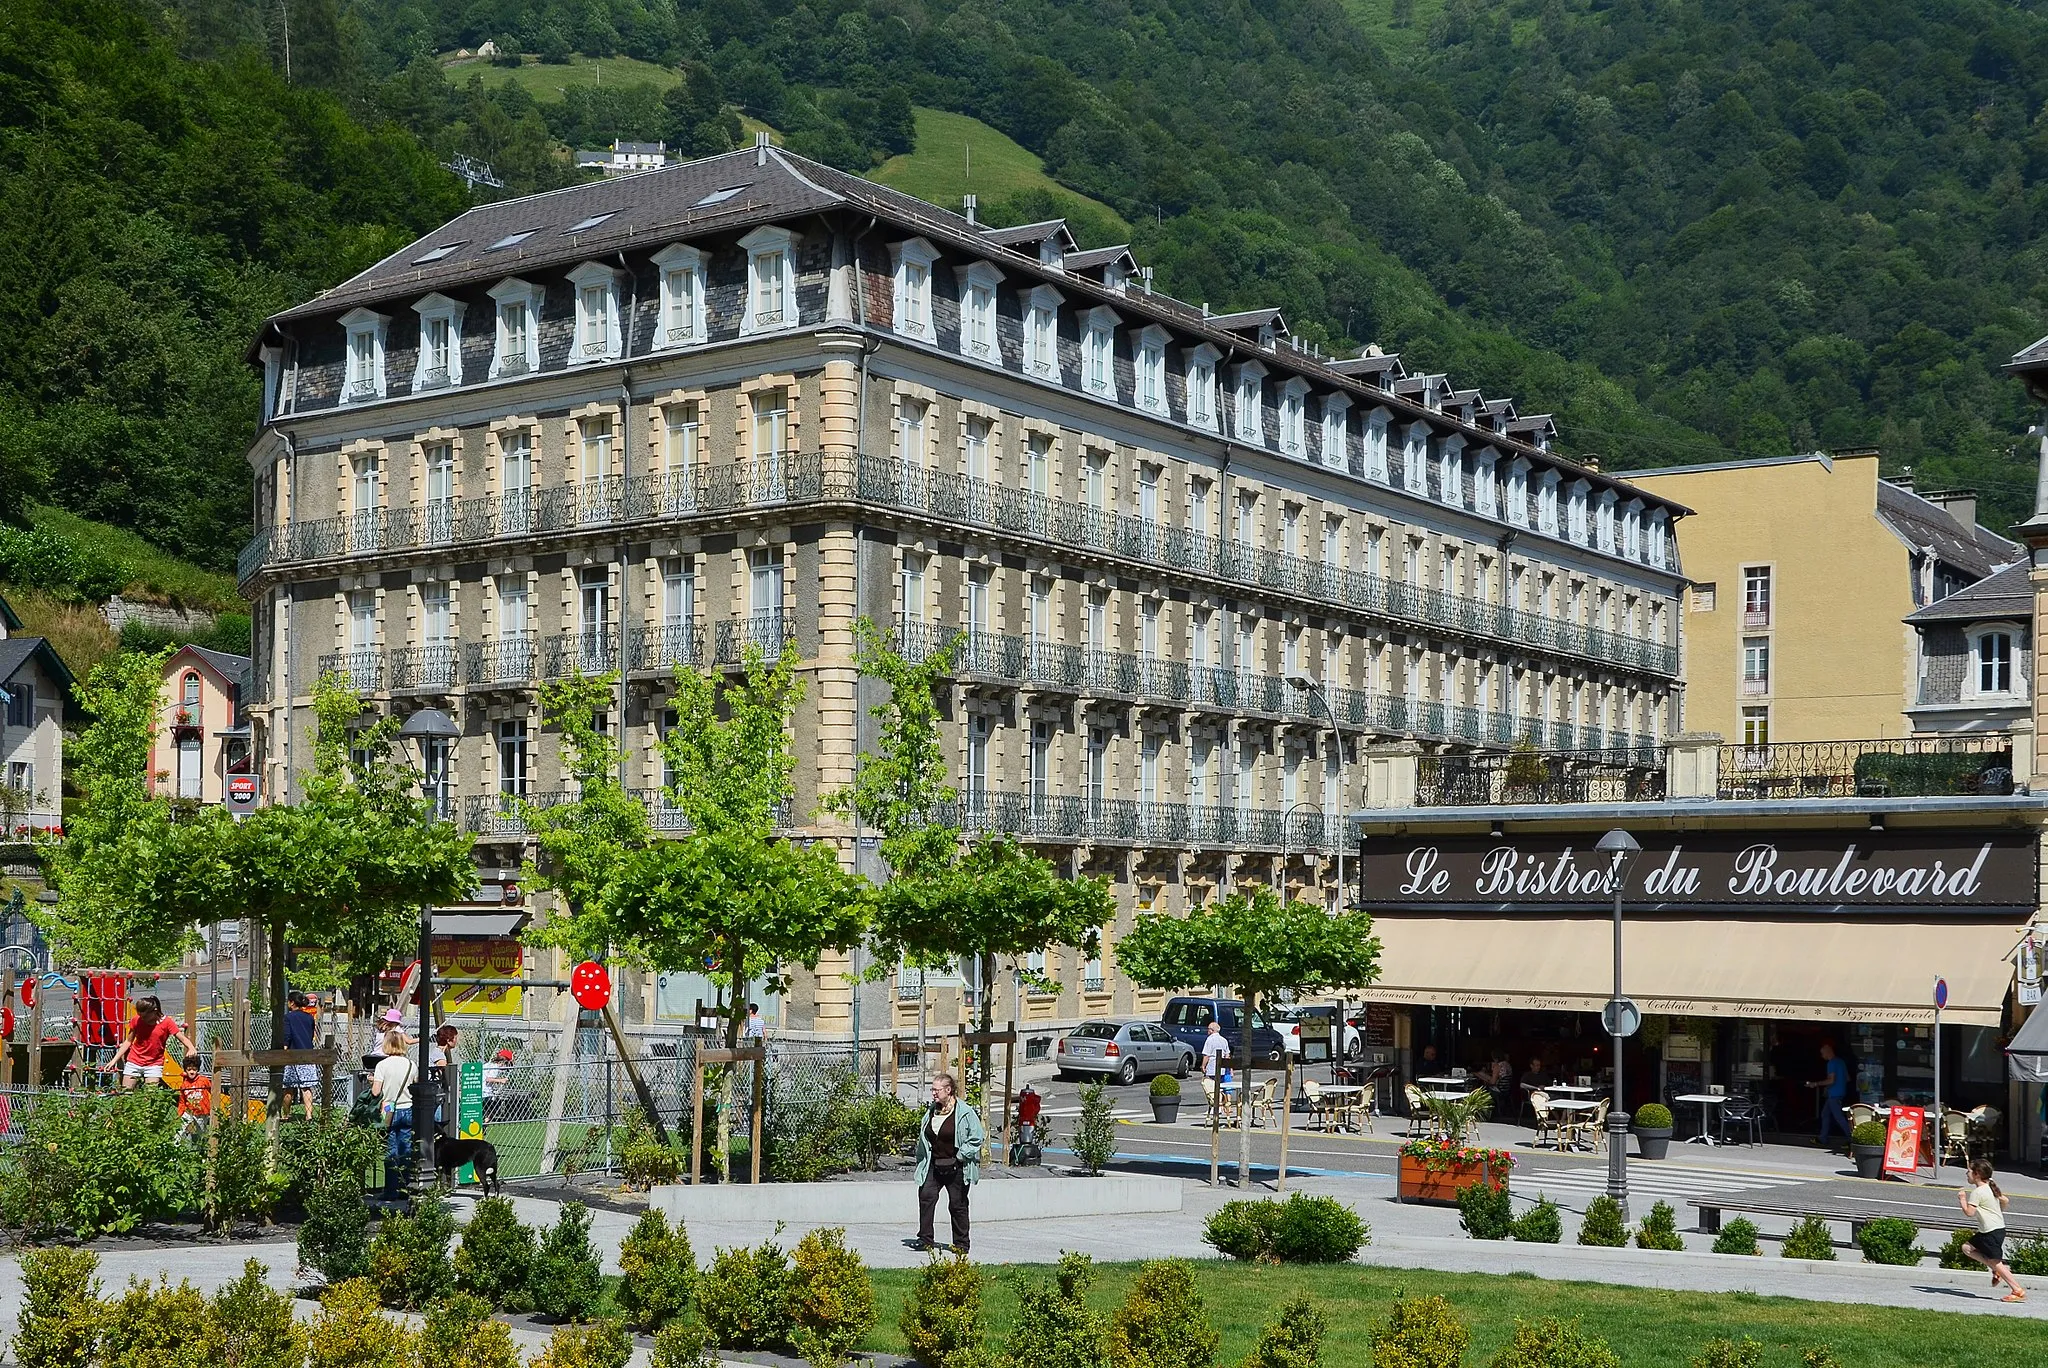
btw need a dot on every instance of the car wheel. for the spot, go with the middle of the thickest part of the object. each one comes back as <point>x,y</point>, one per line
<point>1128,1074</point>
<point>1186,1065</point>
<point>1063,1076</point>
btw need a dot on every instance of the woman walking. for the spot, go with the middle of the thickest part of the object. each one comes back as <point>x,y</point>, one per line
<point>949,1139</point>
<point>391,1085</point>
<point>1982,1200</point>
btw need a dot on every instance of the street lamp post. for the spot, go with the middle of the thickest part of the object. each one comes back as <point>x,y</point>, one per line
<point>426,726</point>
<point>1301,683</point>
<point>1621,850</point>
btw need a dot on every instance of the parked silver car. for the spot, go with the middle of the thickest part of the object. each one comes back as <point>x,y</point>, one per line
<point>1123,1050</point>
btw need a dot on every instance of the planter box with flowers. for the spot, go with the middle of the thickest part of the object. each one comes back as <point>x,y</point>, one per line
<point>1435,1171</point>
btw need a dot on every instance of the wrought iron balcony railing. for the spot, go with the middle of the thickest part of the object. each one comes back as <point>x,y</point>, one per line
<point>976,504</point>
<point>764,632</point>
<point>586,652</point>
<point>362,668</point>
<point>1634,774</point>
<point>664,647</point>
<point>1079,817</point>
<point>426,667</point>
<point>1904,767</point>
<point>507,661</point>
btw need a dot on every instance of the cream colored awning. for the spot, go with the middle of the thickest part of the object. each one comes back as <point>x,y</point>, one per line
<point>1792,970</point>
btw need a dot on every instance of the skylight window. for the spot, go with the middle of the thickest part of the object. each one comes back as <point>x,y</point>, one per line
<point>445,250</point>
<point>719,196</point>
<point>510,240</point>
<point>585,224</point>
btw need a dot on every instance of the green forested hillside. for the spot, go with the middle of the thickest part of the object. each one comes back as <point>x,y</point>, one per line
<point>1691,228</point>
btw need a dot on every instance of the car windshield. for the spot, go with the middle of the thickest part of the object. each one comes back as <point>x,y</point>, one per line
<point>1095,1030</point>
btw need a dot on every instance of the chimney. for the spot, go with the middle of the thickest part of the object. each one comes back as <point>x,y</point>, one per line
<point>967,206</point>
<point>761,147</point>
<point>1591,461</point>
<point>1960,504</point>
<point>1145,276</point>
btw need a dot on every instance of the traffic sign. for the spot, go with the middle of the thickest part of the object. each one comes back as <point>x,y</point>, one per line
<point>1941,992</point>
<point>590,985</point>
<point>1621,1017</point>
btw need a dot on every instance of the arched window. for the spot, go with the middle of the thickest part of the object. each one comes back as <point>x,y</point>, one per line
<point>1991,657</point>
<point>191,687</point>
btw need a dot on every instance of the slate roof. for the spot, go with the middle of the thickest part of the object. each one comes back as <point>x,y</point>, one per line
<point>2007,594</point>
<point>17,652</point>
<point>7,615</point>
<point>1978,551</point>
<point>1096,257</point>
<point>233,668</point>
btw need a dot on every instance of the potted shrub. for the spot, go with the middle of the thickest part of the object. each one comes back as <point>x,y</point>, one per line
<point>1652,1125</point>
<point>1166,1099</point>
<point>1435,1171</point>
<point>1866,1143</point>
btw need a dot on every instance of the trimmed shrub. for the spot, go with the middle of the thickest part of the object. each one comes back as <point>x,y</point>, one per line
<point>1165,1085</point>
<point>1659,1229</point>
<point>1420,1332</point>
<point>250,1325</point>
<point>460,1333</point>
<point>409,1258</point>
<point>831,1299</point>
<point>1603,1224</point>
<point>98,1165</point>
<point>154,1325</point>
<point>744,1298</point>
<point>942,1315</point>
<point>494,1258</point>
<point>1486,1212</point>
<point>600,1344</point>
<point>239,1186</point>
<point>1162,1322</point>
<point>1293,1341</point>
<point>1737,1237</point>
<point>644,1163</point>
<point>1094,1137</point>
<point>1055,1327</point>
<point>1867,1133</point>
<point>326,1164</point>
<point>1819,1356</point>
<point>658,1270</point>
<point>1890,1240</point>
<point>1652,1116</point>
<point>2029,1256</point>
<point>1952,1255</point>
<point>59,1325</point>
<point>566,1282</point>
<point>1302,1229</point>
<point>1540,1224</point>
<point>683,1343</point>
<point>1553,1343</point>
<point>1810,1239</point>
<point>352,1331</point>
<point>1726,1353</point>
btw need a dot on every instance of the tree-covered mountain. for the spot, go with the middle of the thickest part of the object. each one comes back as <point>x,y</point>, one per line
<point>1691,228</point>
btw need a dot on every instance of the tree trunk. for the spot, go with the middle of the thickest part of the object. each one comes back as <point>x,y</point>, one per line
<point>1244,1096</point>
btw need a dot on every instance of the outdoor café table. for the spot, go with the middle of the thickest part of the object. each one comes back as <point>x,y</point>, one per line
<point>1446,1095</point>
<point>1570,1104</point>
<point>1571,1089</point>
<point>1444,1081</point>
<point>1344,1101</point>
<point>1707,1101</point>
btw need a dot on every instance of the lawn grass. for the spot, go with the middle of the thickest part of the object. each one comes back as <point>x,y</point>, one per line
<point>1645,1327</point>
<point>546,81</point>
<point>154,573</point>
<point>957,154</point>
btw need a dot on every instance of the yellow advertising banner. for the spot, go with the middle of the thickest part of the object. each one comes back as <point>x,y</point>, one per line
<point>480,957</point>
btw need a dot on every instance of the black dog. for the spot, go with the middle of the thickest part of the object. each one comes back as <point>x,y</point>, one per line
<point>451,1155</point>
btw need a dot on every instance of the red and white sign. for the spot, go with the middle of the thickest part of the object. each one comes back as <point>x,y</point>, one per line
<point>590,985</point>
<point>1902,1139</point>
<point>241,792</point>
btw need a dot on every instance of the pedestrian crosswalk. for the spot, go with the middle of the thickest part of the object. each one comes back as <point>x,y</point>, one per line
<point>1675,1183</point>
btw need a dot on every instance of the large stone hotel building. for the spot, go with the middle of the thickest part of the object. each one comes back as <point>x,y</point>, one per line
<point>1202,569</point>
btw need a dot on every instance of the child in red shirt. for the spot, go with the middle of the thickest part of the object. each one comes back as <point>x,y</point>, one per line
<point>142,1051</point>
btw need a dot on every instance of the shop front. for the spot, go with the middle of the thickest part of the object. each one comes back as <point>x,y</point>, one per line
<point>1752,935</point>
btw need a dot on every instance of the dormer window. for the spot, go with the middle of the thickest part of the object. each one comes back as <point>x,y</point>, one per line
<point>1577,512</point>
<point>914,288</point>
<point>1415,459</point>
<point>1098,353</point>
<point>1450,470</point>
<point>1201,382</point>
<point>1485,499</point>
<point>365,370</point>
<point>1376,445</point>
<point>598,336</point>
<point>1042,333</point>
<point>1517,495</point>
<point>1991,663</point>
<point>682,297</point>
<point>1293,410</point>
<point>1248,399</point>
<point>1604,520</point>
<point>1051,252</point>
<point>518,343</point>
<point>440,359</point>
<point>1659,539</point>
<point>978,311</point>
<point>1149,362</point>
<point>1546,503</point>
<point>1632,530</point>
<point>1336,420</point>
<point>771,280</point>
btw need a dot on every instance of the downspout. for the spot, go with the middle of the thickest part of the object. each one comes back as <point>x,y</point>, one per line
<point>626,483</point>
<point>291,456</point>
<point>860,423</point>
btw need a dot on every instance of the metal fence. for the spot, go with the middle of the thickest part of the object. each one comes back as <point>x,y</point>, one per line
<point>1903,767</point>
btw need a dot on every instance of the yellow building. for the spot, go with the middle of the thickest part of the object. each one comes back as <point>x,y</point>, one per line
<point>1803,570</point>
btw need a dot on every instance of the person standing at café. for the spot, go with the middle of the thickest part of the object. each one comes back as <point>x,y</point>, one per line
<point>1834,1090</point>
<point>1215,1054</point>
<point>949,1140</point>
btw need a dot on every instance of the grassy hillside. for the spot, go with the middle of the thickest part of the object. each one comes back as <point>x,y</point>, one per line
<point>546,81</point>
<point>956,154</point>
<point>153,573</point>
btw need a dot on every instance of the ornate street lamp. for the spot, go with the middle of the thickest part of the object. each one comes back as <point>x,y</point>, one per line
<point>1620,849</point>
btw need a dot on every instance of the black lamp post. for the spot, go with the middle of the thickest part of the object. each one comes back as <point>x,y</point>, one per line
<point>427,726</point>
<point>1621,849</point>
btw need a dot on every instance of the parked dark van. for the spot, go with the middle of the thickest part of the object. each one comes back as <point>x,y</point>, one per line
<point>1187,1020</point>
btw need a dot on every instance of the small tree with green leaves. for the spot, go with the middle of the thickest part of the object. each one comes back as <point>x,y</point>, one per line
<point>1262,946</point>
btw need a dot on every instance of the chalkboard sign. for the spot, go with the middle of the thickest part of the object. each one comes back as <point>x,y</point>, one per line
<point>1379,1025</point>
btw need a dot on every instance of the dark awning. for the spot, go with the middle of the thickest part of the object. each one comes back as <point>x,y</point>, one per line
<point>2027,1056</point>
